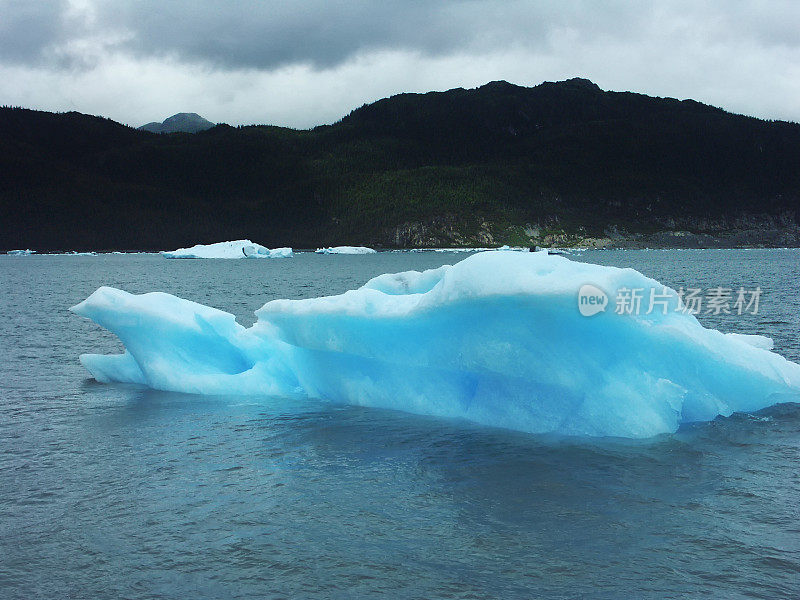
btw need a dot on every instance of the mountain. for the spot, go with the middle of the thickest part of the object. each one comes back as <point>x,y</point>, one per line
<point>182,122</point>
<point>558,163</point>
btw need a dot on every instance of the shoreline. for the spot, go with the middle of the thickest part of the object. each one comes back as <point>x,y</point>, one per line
<point>462,249</point>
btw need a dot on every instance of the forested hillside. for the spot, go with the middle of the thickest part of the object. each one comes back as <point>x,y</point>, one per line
<point>501,163</point>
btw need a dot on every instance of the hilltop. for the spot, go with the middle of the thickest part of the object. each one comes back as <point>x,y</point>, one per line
<point>559,163</point>
<point>179,123</point>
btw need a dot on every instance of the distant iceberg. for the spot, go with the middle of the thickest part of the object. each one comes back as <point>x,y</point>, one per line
<point>236,249</point>
<point>465,249</point>
<point>346,250</point>
<point>21,252</point>
<point>497,339</point>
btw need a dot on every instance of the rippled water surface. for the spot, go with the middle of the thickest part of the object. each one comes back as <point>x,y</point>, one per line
<point>120,492</point>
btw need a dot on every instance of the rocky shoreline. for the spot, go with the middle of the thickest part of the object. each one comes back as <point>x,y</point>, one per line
<point>741,231</point>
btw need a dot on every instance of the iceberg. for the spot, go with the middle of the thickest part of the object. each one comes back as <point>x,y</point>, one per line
<point>27,252</point>
<point>346,250</point>
<point>759,341</point>
<point>498,339</point>
<point>466,249</point>
<point>235,249</point>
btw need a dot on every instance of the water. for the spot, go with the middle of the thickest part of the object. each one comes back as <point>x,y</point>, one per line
<point>121,492</point>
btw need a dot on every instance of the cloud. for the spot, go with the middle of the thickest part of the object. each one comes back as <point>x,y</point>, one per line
<point>268,34</point>
<point>26,28</point>
<point>310,62</point>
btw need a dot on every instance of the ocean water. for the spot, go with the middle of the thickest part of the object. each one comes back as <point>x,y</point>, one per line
<point>110,491</point>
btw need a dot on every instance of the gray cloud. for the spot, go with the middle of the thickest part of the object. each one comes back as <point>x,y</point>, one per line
<point>27,28</point>
<point>305,62</point>
<point>323,33</point>
<point>268,34</point>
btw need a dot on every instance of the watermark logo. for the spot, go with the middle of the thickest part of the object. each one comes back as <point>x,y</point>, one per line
<point>719,300</point>
<point>591,300</point>
<point>646,301</point>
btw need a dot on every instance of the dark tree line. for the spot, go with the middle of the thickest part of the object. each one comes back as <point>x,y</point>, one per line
<point>563,151</point>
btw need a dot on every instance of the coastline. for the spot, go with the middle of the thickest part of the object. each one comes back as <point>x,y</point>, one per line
<point>741,231</point>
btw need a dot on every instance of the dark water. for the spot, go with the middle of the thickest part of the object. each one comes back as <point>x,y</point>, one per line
<point>121,492</point>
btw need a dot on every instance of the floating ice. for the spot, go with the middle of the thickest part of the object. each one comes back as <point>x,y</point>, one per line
<point>236,249</point>
<point>465,249</point>
<point>759,341</point>
<point>346,250</point>
<point>497,339</point>
<point>27,252</point>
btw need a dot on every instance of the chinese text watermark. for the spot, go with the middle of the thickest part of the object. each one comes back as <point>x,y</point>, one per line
<point>693,301</point>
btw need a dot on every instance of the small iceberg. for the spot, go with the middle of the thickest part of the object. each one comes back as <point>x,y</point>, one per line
<point>500,338</point>
<point>230,250</point>
<point>27,252</point>
<point>346,250</point>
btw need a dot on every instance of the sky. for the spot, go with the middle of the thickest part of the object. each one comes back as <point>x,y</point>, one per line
<point>305,63</point>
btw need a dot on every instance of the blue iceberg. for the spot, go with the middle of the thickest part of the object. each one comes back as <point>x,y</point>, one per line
<point>500,338</point>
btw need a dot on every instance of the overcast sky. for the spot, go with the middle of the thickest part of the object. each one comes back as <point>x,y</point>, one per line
<point>303,63</point>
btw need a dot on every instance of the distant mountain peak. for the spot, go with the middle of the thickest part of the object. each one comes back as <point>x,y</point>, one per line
<point>574,82</point>
<point>499,85</point>
<point>180,122</point>
<point>581,82</point>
